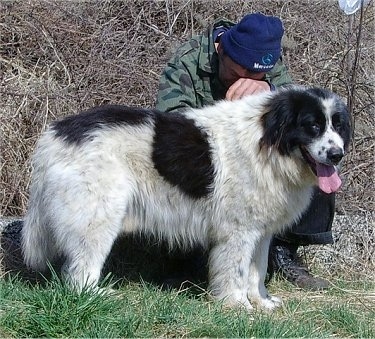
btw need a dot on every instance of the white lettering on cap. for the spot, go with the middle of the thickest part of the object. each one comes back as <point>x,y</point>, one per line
<point>259,66</point>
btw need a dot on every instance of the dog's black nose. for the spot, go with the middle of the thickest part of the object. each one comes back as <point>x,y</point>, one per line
<point>335,155</point>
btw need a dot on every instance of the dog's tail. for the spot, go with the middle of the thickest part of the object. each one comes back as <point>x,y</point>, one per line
<point>35,242</point>
<point>36,234</point>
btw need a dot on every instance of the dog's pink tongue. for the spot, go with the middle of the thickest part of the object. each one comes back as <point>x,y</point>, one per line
<point>329,180</point>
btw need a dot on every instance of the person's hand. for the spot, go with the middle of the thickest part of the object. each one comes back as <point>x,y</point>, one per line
<point>246,86</point>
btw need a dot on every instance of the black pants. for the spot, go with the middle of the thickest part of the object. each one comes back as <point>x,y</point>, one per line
<point>315,224</point>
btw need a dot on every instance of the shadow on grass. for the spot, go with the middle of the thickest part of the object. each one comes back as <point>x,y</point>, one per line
<point>133,258</point>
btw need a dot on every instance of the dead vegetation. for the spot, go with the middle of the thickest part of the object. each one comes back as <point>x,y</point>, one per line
<point>60,57</point>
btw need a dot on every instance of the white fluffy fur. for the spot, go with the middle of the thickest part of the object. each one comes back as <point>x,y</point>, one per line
<point>82,197</point>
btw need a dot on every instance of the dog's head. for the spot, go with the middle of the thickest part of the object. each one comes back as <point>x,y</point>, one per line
<point>313,124</point>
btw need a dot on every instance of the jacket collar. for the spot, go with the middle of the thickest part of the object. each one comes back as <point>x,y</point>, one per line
<point>208,59</point>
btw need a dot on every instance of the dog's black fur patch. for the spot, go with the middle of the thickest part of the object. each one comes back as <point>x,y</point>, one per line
<point>76,129</point>
<point>182,154</point>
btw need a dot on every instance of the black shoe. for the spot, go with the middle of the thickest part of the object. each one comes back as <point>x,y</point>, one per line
<point>284,260</point>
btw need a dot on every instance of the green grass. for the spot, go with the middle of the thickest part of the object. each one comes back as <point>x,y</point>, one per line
<point>142,310</point>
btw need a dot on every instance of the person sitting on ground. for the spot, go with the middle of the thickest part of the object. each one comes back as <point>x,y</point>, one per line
<point>228,62</point>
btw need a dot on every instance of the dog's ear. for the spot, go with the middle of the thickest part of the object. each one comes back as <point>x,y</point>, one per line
<point>280,116</point>
<point>343,122</point>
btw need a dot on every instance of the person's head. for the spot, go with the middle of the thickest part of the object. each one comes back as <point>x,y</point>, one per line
<point>250,48</point>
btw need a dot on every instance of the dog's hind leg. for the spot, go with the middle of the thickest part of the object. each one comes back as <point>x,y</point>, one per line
<point>87,232</point>
<point>257,291</point>
<point>86,250</point>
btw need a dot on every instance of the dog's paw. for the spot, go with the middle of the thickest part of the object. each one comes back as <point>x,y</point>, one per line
<point>236,299</point>
<point>239,304</point>
<point>269,303</point>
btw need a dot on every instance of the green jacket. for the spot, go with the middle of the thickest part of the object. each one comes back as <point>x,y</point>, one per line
<point>190,77</point>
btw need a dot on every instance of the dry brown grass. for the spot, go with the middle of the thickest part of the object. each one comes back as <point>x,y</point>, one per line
<point>59,57</point>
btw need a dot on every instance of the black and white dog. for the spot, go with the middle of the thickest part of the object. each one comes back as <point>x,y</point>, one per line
<point>226,176</point>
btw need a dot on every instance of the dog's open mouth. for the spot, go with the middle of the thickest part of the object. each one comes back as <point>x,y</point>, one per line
<point>328,178</point>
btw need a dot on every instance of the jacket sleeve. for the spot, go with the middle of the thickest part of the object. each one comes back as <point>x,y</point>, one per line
<point>279,75</point>
<point>176,87</point>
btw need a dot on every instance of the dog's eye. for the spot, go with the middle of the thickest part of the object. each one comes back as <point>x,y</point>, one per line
<point>315,129</point>
<point>337,125</point>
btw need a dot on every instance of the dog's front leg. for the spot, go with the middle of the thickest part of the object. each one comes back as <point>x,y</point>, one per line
<point>257,292</point>
<point>229,265</point>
